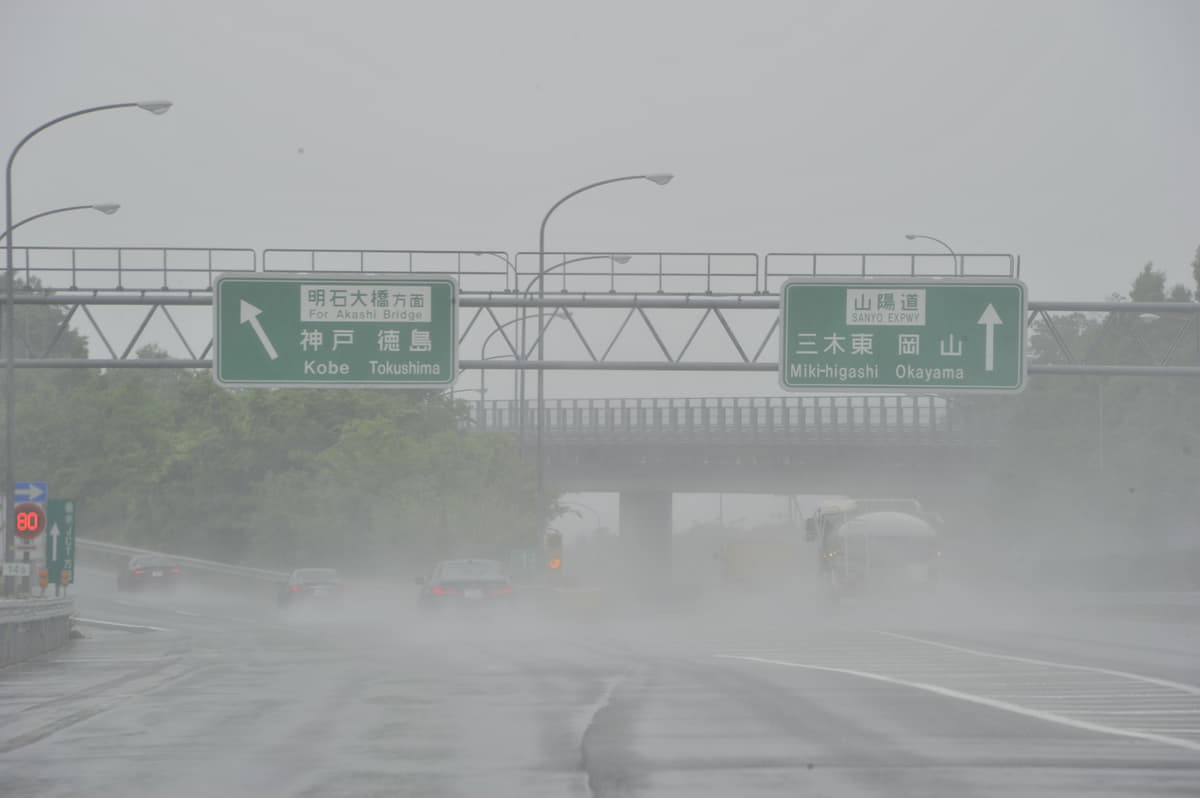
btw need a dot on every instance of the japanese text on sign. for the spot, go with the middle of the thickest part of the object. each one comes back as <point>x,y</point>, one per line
<point>359,302</point>
<point>887,307</point>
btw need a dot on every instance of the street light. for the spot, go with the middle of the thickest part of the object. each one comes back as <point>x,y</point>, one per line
<point>509,266</point>
<point>622,259</point>
<point>659,178</point>
<point>107,208</point>
<point>156,107</point>
<point>521,344</point>
<point>953,257</point>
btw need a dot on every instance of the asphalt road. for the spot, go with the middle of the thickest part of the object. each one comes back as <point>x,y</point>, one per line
<point>208,695</point>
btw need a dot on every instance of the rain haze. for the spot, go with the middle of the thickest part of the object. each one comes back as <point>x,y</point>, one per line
<point>693,577</point>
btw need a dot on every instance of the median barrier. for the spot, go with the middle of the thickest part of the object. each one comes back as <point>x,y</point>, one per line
<point>30,627</point>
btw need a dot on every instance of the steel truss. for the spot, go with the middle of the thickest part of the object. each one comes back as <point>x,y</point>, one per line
<point>607,311</point>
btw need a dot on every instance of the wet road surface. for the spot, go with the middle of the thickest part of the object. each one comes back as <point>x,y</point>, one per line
<point>196,694</point>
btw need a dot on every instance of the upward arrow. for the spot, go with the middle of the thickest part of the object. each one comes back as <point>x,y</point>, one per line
<point>990,319</point>
<point>54,533</point>
<point>250,314</point>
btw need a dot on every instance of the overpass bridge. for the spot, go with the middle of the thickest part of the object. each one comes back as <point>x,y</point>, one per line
<point>785,444</point>
<point>646,450</point>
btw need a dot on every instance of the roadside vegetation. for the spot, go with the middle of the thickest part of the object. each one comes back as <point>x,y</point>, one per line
<point>167,460</point>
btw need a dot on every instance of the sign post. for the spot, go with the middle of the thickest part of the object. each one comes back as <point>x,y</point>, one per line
<point>60,545</point>
<point>322,330</point>
<point>903,334</point>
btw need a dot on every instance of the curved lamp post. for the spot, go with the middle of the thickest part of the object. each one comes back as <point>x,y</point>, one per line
<point>153,106</point>
<point>953,256</point>
<point>517,397</point>
<point>107,208</point>
<point>660,178</point>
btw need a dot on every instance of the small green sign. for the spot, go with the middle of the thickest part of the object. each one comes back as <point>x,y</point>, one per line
<point>952,334</point>
<point>322,330</point>
<point>60,540</point>
<point>524,563</point>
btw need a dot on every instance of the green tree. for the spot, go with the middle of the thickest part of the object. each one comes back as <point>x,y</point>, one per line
<point>1196,270</point>
<point>1149,285</point>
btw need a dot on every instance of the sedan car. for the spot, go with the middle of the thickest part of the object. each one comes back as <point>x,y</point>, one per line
<point>149,572</point>
<point>312,584</point>
<point>462,583</point>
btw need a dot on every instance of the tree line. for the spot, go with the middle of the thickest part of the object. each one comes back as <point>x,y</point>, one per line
<point>165,459</point>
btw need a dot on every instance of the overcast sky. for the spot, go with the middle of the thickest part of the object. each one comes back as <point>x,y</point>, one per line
<point>1061,131</point>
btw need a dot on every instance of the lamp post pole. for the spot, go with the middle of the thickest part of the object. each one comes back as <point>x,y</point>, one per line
<point>660,179</point>
<point>107,208</point>
<point>487,340</point>
<point>953,257</point>
<point>540,278</point>
<point>10,393</point>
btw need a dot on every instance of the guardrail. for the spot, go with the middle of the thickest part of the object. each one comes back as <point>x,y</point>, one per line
<point>29,627</point>
<point>35,609</point>
<point>253,582</point>
<point>118,553</point>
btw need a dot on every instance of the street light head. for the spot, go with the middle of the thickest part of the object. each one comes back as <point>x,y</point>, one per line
<point>622,258</point>
<point>909,236</point>
<point>661,179</point>
<point>107,208</point>
<point>156,107</point>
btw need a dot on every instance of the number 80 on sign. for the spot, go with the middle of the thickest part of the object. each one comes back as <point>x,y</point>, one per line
<point>29,520</point>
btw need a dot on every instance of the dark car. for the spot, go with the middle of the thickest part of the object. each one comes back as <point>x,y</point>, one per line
<point>149,572</point>
<point>312,584</point>
<point>462,583</point>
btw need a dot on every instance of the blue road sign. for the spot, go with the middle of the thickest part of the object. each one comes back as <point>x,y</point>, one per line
<point>35,492</point>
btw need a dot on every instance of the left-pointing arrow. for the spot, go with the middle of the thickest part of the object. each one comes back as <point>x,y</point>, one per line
<point>250,314</point>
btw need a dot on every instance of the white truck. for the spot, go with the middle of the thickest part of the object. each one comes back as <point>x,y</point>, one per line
<point>875,546</point>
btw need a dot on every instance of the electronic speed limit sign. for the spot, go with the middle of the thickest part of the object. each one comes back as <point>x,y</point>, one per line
<point>29,520</point>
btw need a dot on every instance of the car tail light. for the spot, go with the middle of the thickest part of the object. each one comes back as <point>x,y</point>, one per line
<point>138,571</point>
<point>443,591</point>
<point>296,588</point>
<point>176,571</point>
<point>505,589</point>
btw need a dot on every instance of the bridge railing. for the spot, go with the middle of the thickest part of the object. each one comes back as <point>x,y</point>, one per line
<point>761,421</point>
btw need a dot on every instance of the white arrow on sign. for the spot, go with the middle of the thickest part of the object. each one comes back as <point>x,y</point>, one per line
<point>54,533</point>
<point>989,319</point>
<point>30,492</point>
<point>250,314</point>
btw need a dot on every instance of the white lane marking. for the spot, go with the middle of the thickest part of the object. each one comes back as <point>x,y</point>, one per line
<point>1187,688</point>
<point>1135,712</point>
<point>188,614</point>
<point>133,627</point>
<point>106,660</point>
<point>978,699</point>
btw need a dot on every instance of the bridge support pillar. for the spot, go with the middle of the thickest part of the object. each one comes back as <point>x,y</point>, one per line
<point>645,519</point>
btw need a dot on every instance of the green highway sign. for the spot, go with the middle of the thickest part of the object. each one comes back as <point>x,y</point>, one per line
<point>322,330</point>
<point>944,334</point>
<point>60,541</point>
